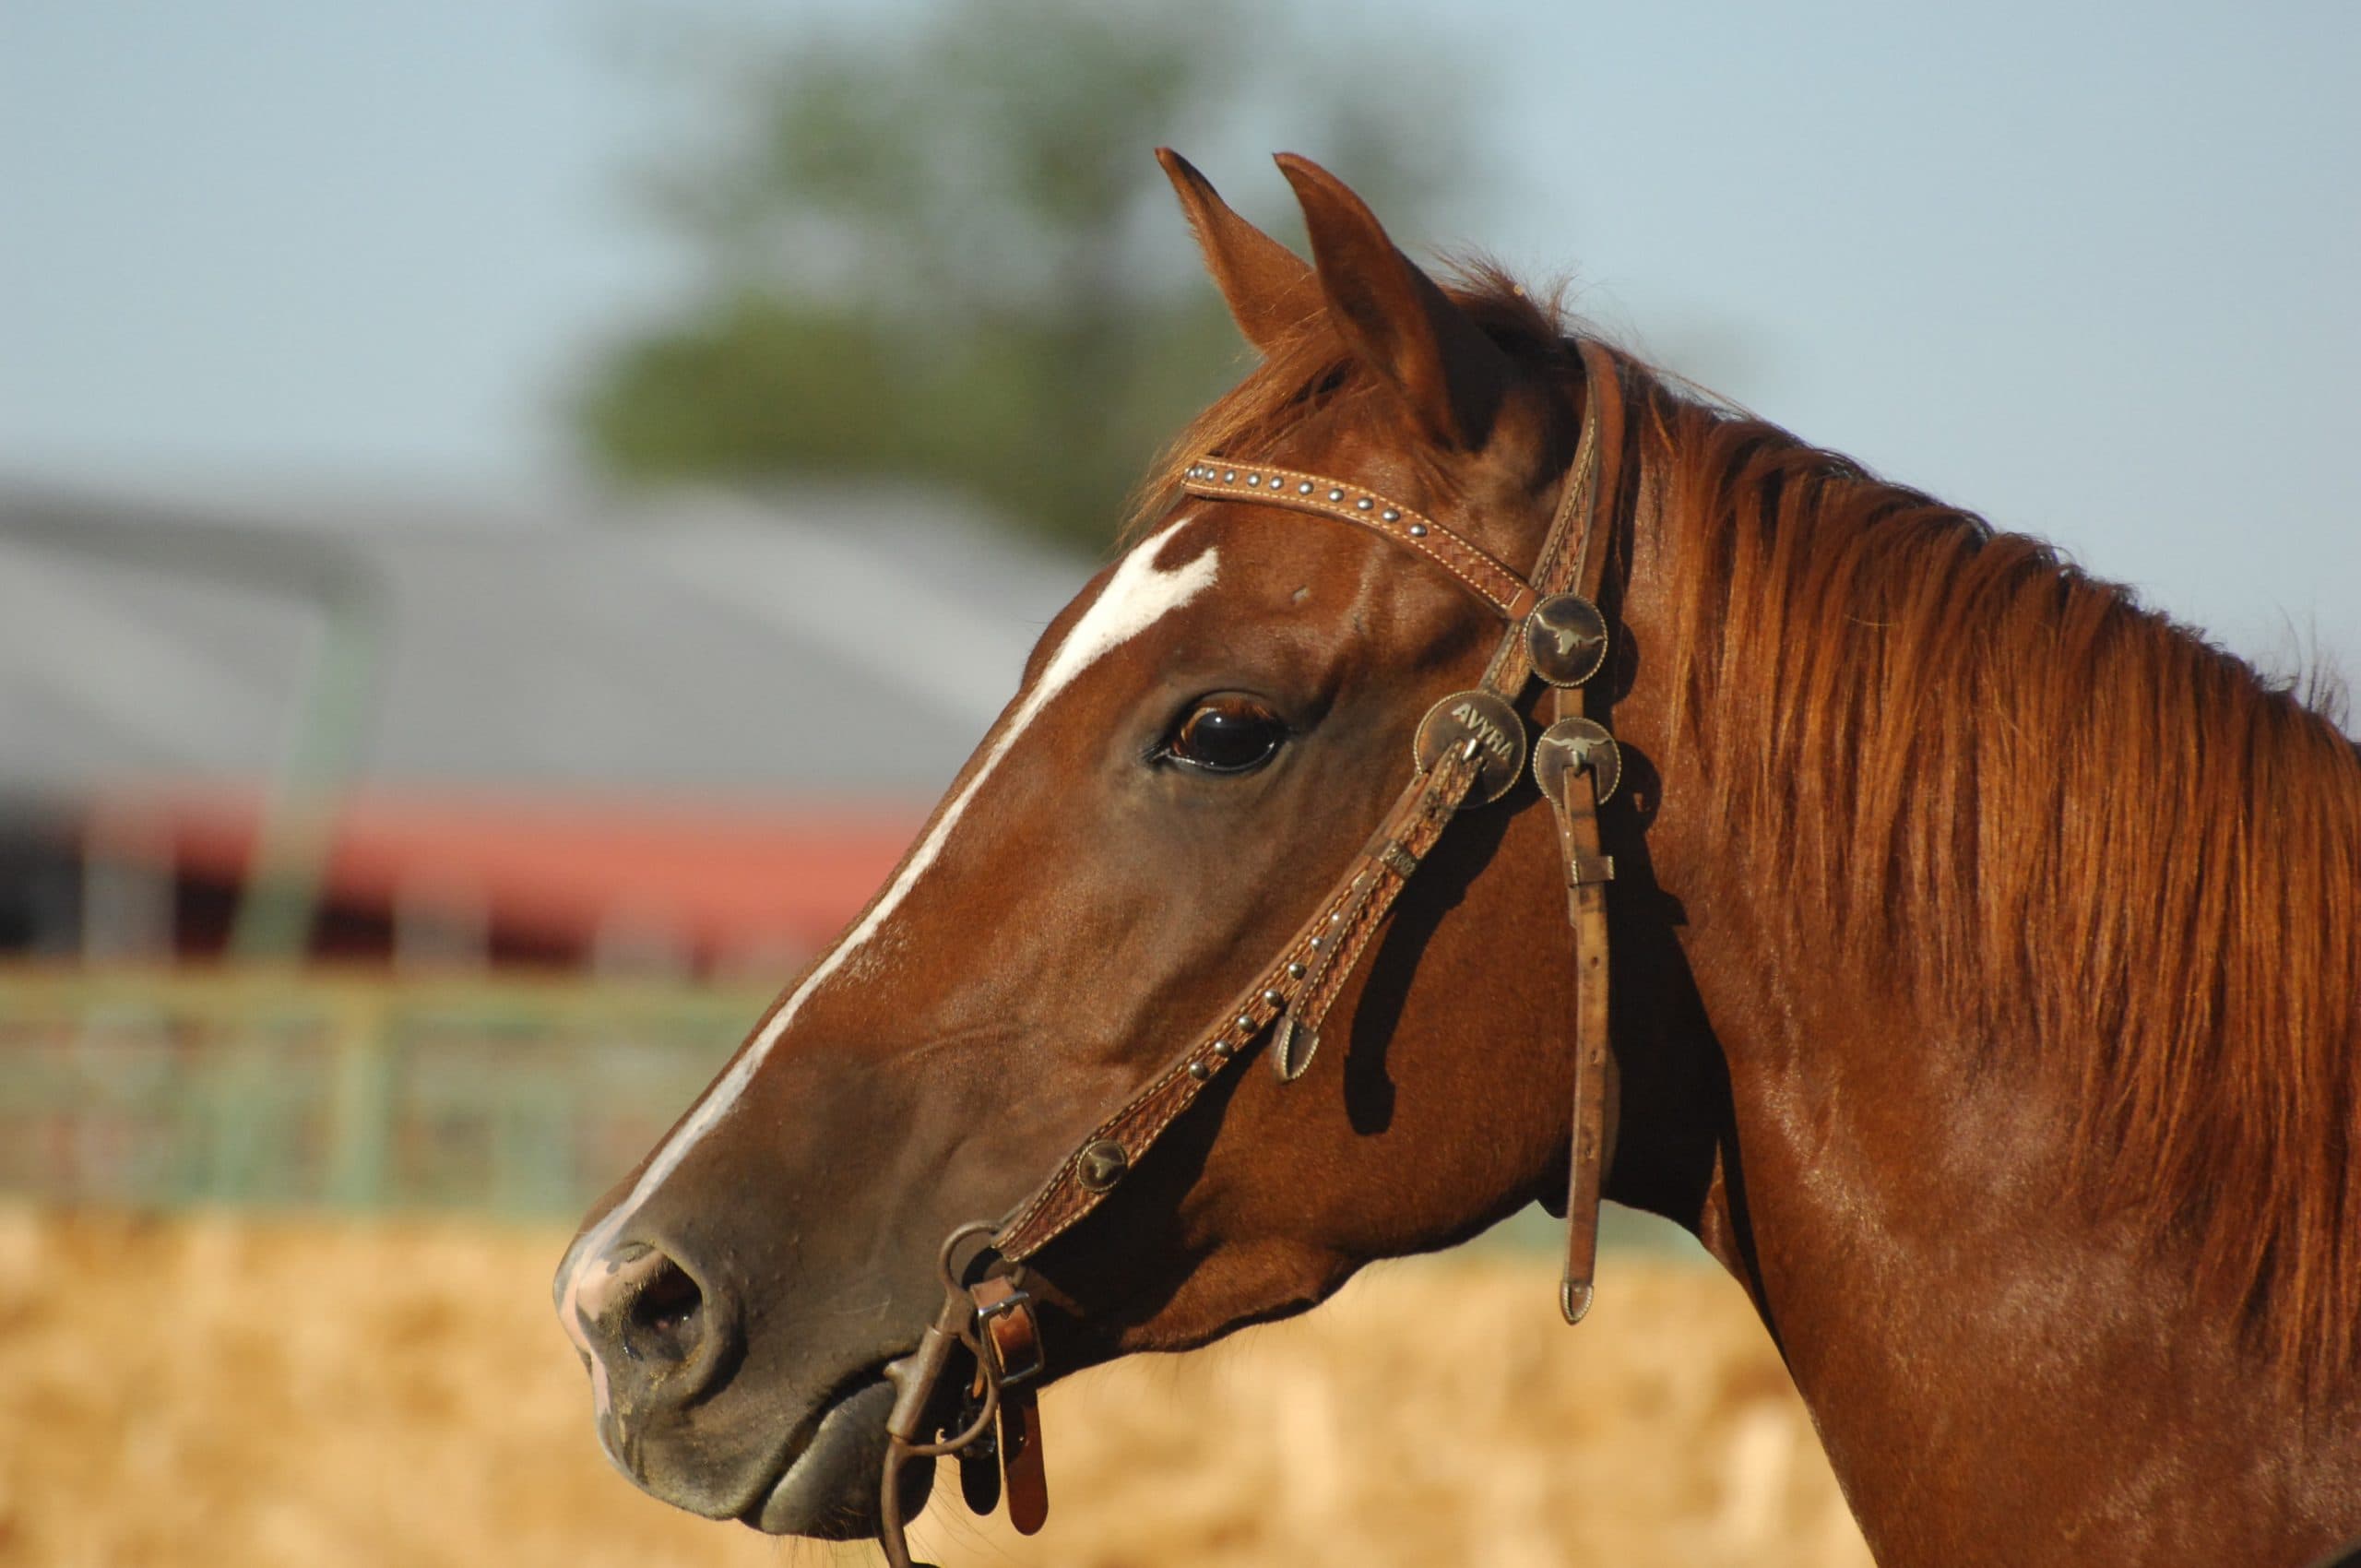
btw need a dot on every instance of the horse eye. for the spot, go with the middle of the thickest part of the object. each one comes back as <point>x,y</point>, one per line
<point>1226,734</point>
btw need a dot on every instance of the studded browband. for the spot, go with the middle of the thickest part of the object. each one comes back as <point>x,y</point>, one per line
<point>1470,748</point>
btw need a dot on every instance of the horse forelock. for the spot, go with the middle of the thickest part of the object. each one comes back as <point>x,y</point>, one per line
<point>1998,787</point>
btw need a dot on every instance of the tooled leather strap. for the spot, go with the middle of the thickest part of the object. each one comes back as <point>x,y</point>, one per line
<point>1469,565</point>
<point>1344,921</point>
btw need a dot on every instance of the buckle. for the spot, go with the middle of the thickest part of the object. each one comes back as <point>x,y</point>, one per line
<point>1014,1304</point>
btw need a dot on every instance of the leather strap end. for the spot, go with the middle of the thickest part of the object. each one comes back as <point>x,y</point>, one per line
<point>980,1479</point>
<point>1292,1050</point>
<point>1020,1452</point>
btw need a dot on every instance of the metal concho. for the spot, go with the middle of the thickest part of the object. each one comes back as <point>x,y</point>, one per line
<point>1570,746</point>
<point>1566,638</point>
<point>1102,1165</point>
<point>1497,729</point>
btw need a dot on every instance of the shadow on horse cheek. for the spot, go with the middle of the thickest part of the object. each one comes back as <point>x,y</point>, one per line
<point>1238,1286</point>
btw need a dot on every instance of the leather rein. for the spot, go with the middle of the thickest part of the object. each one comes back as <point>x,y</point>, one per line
<point>1471,749</point>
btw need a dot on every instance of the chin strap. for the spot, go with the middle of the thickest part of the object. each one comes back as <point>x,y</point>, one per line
<point>1471,749</point>
<point>996,1432</point>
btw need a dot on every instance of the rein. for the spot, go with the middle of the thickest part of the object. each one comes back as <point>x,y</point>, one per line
<point>1471,748</point>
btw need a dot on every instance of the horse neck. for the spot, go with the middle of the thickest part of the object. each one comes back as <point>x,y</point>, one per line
<point>1988,1361</point>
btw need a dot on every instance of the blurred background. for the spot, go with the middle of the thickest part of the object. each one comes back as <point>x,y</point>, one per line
<point>453,457</point>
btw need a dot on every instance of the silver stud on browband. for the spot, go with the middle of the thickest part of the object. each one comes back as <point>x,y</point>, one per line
<point>1391,516</point>
<point>1276,999</point>
<point>1417,531</point>
<point>1295,972</point>
<point>1229,476</point>
<point>1253,478</point>
<point>1364,504</point>
<point>1304,489</point>
<point>1336,496</point>
<point>1245,1023</point>
<point>1200,1072</point>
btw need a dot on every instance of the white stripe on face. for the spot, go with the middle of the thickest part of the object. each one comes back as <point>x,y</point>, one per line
<point>1136,596</point>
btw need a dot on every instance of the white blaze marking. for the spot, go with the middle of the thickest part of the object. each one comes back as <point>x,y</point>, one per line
<point>1136,597</point>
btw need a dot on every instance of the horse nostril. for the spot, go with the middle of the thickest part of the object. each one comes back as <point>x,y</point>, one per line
<point>663,1321</point>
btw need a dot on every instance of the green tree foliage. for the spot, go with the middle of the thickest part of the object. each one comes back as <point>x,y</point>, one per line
<point>946,255</point>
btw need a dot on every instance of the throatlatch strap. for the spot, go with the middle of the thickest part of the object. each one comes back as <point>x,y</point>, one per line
<point>1575,806</point>
<point>1576,802</point>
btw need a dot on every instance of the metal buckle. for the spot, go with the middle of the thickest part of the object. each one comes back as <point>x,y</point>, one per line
<point>1008,1306</point>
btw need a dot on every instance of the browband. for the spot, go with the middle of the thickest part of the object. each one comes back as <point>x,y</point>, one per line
<point>1474,568</point>
<point>1471,749</point>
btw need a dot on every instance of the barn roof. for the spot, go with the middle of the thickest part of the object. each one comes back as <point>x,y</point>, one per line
<point>829,643</point>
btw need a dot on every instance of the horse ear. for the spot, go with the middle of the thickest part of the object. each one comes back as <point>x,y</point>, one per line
<point>1268,287</point>
<point>1395,319</point>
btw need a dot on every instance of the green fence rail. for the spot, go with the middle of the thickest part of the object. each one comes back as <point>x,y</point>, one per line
<point>302,1088</point>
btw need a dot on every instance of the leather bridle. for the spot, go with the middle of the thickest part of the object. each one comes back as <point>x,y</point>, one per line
<point>1471,748</point>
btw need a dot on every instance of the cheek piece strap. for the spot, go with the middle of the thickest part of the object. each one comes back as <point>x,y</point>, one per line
<point>1471,747</point>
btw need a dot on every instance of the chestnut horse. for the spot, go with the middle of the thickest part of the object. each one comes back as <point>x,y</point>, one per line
<point>1985,971</point>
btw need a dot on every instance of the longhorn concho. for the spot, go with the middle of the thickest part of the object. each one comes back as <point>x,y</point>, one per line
<point>1566,638</point>
<point>1576,746</point>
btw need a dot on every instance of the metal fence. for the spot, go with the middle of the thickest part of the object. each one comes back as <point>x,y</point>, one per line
<point>527,1099</point>
<point>292,1088</point>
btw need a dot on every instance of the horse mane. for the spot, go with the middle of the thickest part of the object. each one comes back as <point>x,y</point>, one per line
<point>1999,789</point>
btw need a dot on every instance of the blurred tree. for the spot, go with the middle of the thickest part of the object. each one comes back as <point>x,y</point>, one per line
<point>944,253</point>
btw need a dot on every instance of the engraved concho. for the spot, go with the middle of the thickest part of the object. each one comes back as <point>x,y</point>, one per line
<point>1499,732</point>
<point>1570,746</point>
<point>1566,637</point>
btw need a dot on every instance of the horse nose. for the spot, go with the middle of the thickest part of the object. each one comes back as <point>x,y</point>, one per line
<point>652,1331</point>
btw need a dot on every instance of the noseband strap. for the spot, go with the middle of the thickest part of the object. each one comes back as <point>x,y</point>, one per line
<point>1472,747</point>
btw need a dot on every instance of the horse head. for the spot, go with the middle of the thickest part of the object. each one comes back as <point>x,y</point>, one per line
<point>1202,745</point>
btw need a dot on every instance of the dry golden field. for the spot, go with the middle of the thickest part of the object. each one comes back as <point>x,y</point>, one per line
<point>277,1394</point>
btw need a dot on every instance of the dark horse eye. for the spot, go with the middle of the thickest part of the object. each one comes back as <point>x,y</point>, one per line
<point>1226,734</point>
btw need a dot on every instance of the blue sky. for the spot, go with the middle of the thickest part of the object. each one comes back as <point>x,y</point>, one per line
<point>2090,269</point>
